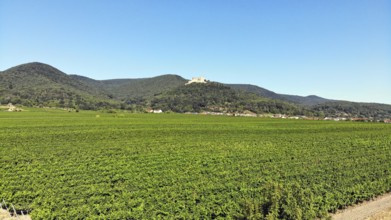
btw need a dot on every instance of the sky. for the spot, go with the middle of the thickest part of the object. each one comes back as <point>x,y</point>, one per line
<point>337,49</point>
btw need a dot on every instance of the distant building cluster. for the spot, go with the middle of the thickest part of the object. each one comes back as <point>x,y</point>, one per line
<point>197,80</point>
<point>283,116</point>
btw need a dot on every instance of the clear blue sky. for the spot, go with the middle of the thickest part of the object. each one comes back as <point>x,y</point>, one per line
<point>337,49</point>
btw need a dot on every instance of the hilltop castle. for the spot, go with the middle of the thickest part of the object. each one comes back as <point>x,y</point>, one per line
<point>197,80</point>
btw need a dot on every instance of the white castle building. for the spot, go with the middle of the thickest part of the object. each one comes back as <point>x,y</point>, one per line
<point>197,80</point>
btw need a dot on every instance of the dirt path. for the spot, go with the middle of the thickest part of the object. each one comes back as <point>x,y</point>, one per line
<point>384,215</point>
<point>378,209</point>
<point>4,215</point>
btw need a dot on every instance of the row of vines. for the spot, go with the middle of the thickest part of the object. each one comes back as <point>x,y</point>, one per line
<point>143,166</point>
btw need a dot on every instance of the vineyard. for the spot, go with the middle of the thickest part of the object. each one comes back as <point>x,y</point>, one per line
<point>68,165</point>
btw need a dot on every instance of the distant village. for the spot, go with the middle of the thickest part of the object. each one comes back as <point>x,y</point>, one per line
<point>12,108</point>
<point>283,116</point>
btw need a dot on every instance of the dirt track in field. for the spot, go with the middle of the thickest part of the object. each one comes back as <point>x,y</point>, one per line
<point>4,215</point>
<point>377,209</point>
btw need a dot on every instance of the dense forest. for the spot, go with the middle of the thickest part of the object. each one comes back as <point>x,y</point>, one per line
<point>217,97</point>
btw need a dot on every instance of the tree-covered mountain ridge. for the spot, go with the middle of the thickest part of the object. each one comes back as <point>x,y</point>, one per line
<point>39,84</point>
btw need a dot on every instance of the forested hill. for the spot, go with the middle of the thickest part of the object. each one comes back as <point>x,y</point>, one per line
<point>38,84</point>
<point>353,110</point>
<point>122,89</point>
<point>216,97</point>
<point>301,100</point>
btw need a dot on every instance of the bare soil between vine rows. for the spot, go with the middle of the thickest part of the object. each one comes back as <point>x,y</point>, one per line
<point>376,209</point>
<point>4,215</point>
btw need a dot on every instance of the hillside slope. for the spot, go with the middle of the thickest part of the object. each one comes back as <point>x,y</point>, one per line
<point>301,100</point>
<point>353,109</point>
<point>125,89</point>
<point>40,84</point>
<point>146,87</point>
<point>217,97</point>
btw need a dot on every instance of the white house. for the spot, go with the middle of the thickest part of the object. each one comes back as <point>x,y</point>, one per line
<point>11,108</point>
<point>197,80</point>
<point>158,111</point>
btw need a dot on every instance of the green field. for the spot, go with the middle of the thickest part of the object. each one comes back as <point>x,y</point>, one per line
<point>61,165</point>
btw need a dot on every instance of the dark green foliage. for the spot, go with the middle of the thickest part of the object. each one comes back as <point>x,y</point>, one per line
<point>321,107</point>
<point>38,84</point>
<point>301,100</point>
<point>124,89</point>
<point>129,89</point>
<point>62,165</point>
<point>217,97</point>
<point>358,110</point>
